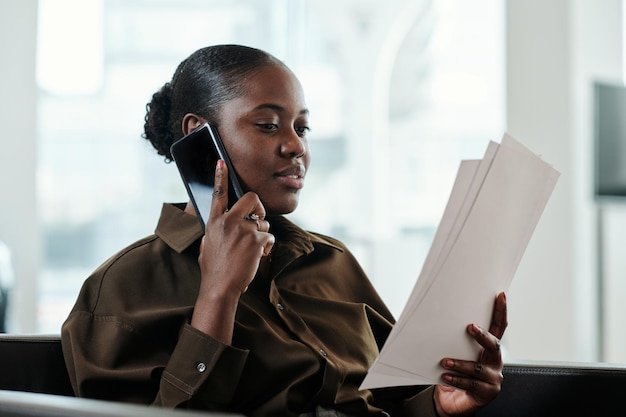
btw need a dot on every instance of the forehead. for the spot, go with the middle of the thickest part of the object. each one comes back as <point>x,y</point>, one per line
<point>274,84</point>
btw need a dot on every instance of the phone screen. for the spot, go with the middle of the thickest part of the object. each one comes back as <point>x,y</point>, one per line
<point>196,156</point>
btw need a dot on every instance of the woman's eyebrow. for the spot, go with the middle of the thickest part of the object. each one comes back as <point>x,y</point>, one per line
<point>277,108</point>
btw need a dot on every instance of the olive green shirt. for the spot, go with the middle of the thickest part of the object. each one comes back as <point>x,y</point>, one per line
<point>304,336</point>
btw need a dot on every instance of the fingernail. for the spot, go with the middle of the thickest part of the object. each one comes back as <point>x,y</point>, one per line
<point>447,378</point>
<point>220,164</point>
<point>449,363</point>
<point>475,328</point>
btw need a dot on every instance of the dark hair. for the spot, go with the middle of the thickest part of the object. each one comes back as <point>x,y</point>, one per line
<point>202,82</point>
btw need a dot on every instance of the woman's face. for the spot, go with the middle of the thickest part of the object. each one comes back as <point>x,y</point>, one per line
<point>264,132</point>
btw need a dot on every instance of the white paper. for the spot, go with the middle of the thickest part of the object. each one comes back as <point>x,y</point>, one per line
<point>491,214</point>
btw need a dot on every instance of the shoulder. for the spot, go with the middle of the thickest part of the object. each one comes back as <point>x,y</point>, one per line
<point>133,272</point>
<point>321,239</point>
<point>132,256</point>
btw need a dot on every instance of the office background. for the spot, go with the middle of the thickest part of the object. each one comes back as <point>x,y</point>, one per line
<point>399,93</point>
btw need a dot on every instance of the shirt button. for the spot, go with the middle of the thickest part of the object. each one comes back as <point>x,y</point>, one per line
<point>280,307</point>
<point>323,353</point>
<point>201,367</point>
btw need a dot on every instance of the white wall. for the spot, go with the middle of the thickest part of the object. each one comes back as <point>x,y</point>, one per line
<point>555,50</point>
<point>18,156</point>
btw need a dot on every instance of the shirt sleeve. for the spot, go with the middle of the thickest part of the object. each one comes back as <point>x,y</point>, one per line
<point>407,401</point>
<point>422,404</point>
<point>107,359</point>
<point>204,369</point>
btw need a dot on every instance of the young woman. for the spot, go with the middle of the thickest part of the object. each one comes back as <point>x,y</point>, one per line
<point>257,317</point>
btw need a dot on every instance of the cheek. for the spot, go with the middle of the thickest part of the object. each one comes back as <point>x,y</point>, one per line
<point>242,155</point>
<point>250,167</point>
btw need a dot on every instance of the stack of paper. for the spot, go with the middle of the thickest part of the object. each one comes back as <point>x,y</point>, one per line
<point>491,214</point>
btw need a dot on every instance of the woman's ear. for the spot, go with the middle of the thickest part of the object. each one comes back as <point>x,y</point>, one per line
<point>190,122</point>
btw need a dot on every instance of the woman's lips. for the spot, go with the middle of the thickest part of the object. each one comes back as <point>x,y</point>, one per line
<point>292,177</point>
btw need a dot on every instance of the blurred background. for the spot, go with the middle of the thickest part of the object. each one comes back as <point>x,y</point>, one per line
<point>399,91</point>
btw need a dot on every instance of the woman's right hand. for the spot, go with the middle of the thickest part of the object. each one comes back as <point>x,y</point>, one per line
<point>234,242</point>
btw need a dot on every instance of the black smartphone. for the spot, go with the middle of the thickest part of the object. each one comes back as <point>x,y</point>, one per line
<point>196,155</point>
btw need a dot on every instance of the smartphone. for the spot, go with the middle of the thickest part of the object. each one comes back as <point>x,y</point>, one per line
<point>196,155</point>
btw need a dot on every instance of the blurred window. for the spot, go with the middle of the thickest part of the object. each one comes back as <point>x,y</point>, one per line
<point>391,119</point>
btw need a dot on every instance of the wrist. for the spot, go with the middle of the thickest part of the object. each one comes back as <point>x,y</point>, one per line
<point>214,314</point>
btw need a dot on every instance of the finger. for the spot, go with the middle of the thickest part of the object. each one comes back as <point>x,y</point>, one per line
<point>201,255</point>
<point>482,371</point>
<point>499,317</point>
<point>490,342</point>
<point>261,225</point>
<point>264,226</point>
<point>219,203</point>
<point>463,382</point>
<point>483,391</point>
<point>253,216</point>
<point>255,210</point>
<point>267,248</point>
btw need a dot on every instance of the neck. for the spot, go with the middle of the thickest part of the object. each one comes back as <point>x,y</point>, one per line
<point>190,209</point>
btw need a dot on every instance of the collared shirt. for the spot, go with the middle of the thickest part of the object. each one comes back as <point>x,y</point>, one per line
<point>304,336</point>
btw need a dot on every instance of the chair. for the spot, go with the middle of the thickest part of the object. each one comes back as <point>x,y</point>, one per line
<point>33,363</point>
<point>34,366</point>
<point>546,389</point>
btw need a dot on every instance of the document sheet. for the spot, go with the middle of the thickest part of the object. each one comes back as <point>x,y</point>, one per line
<point>492,211</point>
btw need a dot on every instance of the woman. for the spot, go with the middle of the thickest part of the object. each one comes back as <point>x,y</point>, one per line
<point>254,316</point>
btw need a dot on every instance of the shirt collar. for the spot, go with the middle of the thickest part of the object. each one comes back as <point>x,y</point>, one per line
<point>298,240</point>
<point>179,230</point>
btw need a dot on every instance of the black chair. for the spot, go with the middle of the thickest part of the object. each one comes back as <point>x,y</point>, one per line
<point>34,383</point>
<point>33,363</point>
<point>542,389</point>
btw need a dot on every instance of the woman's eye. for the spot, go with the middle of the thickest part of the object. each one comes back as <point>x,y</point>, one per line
<point>269,127</point>
<point>302,130</point>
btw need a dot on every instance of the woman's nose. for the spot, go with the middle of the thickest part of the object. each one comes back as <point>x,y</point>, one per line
<point>293,146</point>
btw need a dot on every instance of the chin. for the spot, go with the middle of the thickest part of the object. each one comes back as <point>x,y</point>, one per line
<point>281,208</point>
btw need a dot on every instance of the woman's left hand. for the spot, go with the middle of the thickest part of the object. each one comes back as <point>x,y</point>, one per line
<point>478,382</point>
